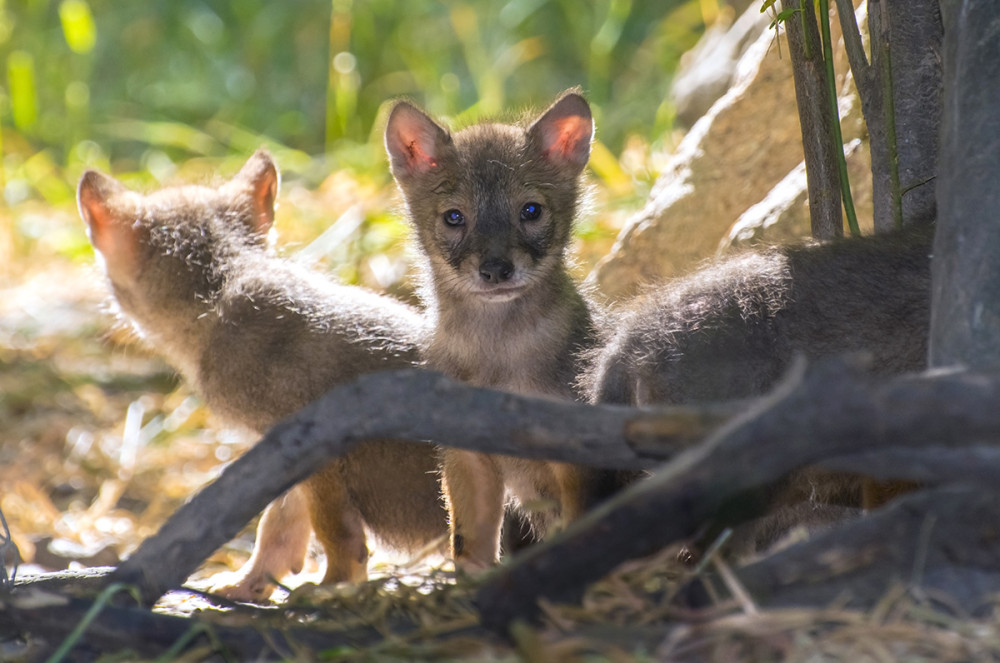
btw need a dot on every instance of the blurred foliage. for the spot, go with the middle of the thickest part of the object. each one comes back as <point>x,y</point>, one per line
<point>163,91</point>
<point>148,83</point>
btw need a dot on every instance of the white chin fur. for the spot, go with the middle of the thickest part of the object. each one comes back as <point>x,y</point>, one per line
<point>498,295</point>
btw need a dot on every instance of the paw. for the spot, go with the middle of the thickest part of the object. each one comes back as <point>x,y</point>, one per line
<point>471,566</point>
<point>242,586</point>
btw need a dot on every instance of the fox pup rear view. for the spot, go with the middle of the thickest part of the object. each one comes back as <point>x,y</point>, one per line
<point>493,207</point>
<point>260,337</point>
<point>732,329</point>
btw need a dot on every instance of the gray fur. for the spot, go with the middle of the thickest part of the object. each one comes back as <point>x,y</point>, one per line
<point>529,342</point>
<point>731,329</point>
<point>260,336</point>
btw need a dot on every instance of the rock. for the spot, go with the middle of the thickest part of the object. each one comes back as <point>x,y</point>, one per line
<point>707,70</point>
<point>783,215</point>
<point>746,144</point>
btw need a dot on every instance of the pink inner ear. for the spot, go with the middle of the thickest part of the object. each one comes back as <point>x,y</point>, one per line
<point>568,136</point>
<point>94,210</point>
<point>111,235</point>
<point>412,140</point>
<point>264,193</point>
<point>418,157</point>
<point>566,139</point>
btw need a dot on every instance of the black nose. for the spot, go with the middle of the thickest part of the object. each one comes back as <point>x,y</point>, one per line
<point>496,270</point>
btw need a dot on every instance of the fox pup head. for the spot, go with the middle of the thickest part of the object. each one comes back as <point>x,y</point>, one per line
<point>165,253</point>
<point>493,204</point>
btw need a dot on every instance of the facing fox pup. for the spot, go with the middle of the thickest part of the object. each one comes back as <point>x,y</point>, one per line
<point>260,337</point>
<point>492,207</point>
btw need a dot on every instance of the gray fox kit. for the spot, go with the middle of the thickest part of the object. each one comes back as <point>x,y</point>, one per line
<point>731,329</point>
<point>493,207</point>
<point>260,337</point>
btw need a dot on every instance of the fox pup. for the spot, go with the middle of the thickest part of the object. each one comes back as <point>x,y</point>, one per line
<point>260,337</point>
<point>731,329</point>
<point>493,207</point>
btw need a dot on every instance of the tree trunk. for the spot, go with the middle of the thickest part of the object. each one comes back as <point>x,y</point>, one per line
<point>915,39</point>
<point>901,101</point>
<point>965,305</point>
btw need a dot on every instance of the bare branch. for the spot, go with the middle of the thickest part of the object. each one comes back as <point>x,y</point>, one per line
<point>409,405</point>
<point>833,412</point>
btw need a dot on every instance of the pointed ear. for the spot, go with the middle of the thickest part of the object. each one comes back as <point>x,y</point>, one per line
<point>563,133</point>
<point>415,142</point>
<point>261,177</point>
<point>92,199</point>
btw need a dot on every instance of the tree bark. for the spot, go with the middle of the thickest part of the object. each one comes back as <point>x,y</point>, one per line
<point>965,306</point>
<point>410,405</point>
<point>833,412</point>
<point>900,91</point>
<point>936,542</point>
<point>915,41</point>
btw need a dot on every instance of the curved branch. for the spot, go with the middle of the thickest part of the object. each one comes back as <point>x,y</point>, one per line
<point>834,412</point>
<point>411,405</point>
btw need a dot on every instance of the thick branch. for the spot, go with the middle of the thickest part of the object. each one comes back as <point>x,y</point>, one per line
<point>834,412</point>
<point>409,405</point>
<point>975,465</point>
<point>789,429</point>
<point>965,308</point>
<point>937,541</point>
<point>916,40</point>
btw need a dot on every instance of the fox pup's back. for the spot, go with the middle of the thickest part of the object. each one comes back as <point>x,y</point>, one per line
<point>260,337</point>
<point>730,330</point>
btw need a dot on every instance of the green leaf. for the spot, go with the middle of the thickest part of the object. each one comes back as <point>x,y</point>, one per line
<point>786,14</point>
<point>23,90</point>
<point>78,25</point>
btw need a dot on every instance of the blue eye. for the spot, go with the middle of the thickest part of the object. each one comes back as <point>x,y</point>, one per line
<point>531,211</point>
<point>453,217</point>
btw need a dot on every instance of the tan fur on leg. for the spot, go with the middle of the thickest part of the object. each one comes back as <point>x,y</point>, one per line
<point>338,525</point>
<point>282,540</point>
<point>474,489</point>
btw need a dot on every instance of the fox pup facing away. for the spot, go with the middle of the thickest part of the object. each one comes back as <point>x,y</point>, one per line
<point>731,329</point>
<point>260,337</point>
<point>492,207</point>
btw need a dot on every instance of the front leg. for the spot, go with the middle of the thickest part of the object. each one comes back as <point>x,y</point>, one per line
<point>473,487</point>
<point>338,525</point>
